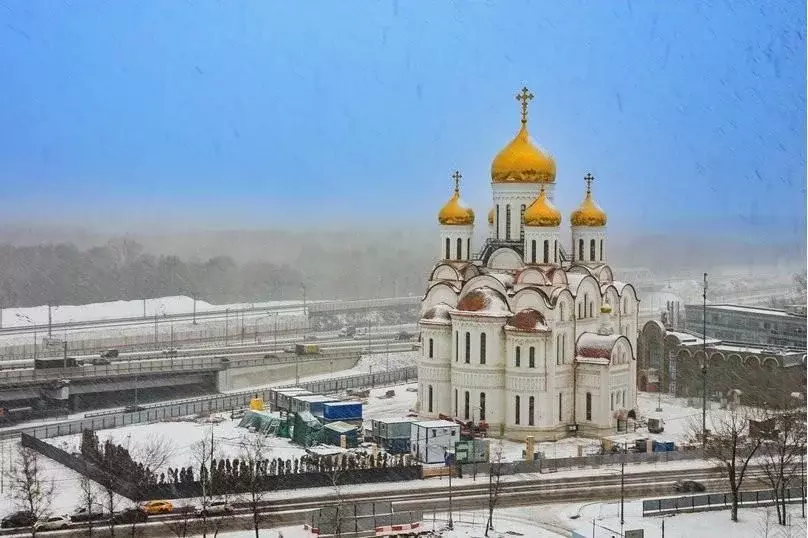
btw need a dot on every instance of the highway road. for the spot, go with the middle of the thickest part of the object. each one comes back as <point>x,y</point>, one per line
<point>433,495</point>
<point>327,340</point>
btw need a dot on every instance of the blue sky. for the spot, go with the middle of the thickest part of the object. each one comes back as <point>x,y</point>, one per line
<point>259,114</point>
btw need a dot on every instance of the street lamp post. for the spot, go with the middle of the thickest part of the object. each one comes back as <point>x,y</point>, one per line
<point>27,319</point>
<point>704,367</point>
<point>622,486</point>
<point>226,322</point>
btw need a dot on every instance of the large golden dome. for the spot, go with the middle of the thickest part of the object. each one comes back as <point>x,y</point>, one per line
<point>542,212</point>
<point>455,211</point>
<point>521,161</point>
<point>491,216</point>
<point>588,213</point>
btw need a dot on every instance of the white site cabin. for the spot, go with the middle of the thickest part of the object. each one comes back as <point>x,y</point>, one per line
<point>430,440</point>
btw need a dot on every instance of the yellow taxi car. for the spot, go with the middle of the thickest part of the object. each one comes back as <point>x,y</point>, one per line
<point>158,507</point>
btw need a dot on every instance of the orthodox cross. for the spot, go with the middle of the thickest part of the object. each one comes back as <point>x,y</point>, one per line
<point>589,178</point>
<point>457,176</point>
<point>524,97</point>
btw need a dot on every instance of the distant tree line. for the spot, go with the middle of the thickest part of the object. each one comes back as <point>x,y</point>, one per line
<point>121,270</point>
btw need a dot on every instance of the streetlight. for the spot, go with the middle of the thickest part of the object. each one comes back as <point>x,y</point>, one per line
<point>226,322</point>
<point>24,317</point>
<point>704,368</point>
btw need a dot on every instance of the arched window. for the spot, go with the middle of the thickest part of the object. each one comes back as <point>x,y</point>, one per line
<point>561,311</point>
<point>518,358</point>
<point>459,249</point>
<point>611,400</point>
<point>563,348</point>
<point>431,348</point>
<point>457,346</point>
<point>466,405</point>
<point>497,231</point>
<point>508,222</point>
<point>623,398</point>
<point>482,406</point>
<point>455,413</point>
<point>588,406</point>
<point>586,301</point>
<point>521,223</point>
<point>558,350</point>
<point>530,410</point>
<point>592,249</point>
<point>531,357</point>
<point>429,400</point>
<point>468,347</point>
<point>559,407</point>
<point>533,251</point>
<point>517,410</point>
<point>601,250</point>
<point>546,251</point>
<point>482,348</point>
<point>555,251</point>
<point>448,254</point>
<point>581,249</point>
<point>468,248</point>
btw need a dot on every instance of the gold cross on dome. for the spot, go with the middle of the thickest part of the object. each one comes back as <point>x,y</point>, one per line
<point>524,97</point>
<point>589,178</point>
<point>457,176</point>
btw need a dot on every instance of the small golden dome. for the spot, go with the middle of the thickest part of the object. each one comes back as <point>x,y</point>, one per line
<point>521,161</point>
<point>455,212</point>
<point>491,216</point>
<point>606,308</point>
<point>541,212</point>
<point>588,213</point>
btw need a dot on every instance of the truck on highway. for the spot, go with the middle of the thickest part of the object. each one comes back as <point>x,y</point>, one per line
<point>307,349</point>
<point>347,331</point>
<point>56,362</point>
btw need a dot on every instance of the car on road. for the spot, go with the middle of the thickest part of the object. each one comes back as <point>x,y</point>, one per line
<point>214,508</point>
<point>110,354</point>
<point>171,352</point>
<point>21,518</point>
<point>158,507</point>
<point>52,523</point>
<point>130,515</point>
<point>132,409</point>
<point>688,486</point>
<point>99,361</point>
<point>83,514</point>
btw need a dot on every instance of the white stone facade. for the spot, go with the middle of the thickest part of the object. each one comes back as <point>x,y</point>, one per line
<point>456,241</point>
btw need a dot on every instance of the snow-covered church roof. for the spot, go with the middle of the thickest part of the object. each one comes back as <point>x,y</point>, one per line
<point>595,346</point>
<point>528,320</point>
<point>484,300</point>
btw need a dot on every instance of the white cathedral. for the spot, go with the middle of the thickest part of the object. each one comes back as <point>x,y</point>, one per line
<point>531,335</point>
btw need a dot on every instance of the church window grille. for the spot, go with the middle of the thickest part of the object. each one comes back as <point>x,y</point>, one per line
<point>611,400</point>
<point>555,251</point>
<point>533,251</point>
<point>531,402</point>
<point>591,309</point>
<point>623,398</point>
<point>429,398</point>
<point>468,347</point>
<point>482,348</point>
<point>521,223</point>
<point>592,249</point>
<point>468,248</point>
<point>581,249</point>
<point>563,348</point>
<point>482,406</point>
<point>559,407</point>
<point>455,402</point>
<point>517,410</point>
<point>497,221</point>
<point>546,251</point>
<point>518,358</point>
<point>531,357</point>
<point>459,249</point>
<point>448,254</point>
<point>588,406</point>
<point>431,348</point>
<point>457,346</point>
<point>586,301</point>
<point>466,404</point>
<point>558,350</point>
<point>508,222</point>
<point>601,250</point>
<point>579,310</point>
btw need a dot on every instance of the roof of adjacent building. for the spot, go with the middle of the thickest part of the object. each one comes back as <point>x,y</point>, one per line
<point>435,424</point>
<point>756,310</point>
<point>340,427</point>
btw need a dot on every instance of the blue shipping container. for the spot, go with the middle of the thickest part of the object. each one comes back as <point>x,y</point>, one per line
<point>342,411</point>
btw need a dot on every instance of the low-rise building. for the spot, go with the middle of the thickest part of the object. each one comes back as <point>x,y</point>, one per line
<point>748,324</point>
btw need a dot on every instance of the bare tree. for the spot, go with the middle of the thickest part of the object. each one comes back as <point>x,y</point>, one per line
<point>494,484</point>
<point>204,453</point>
<point>255,452</point>
<point>154,452</point>
<point>180,527</point>
<point>89,500</point>
<point>29,488</point>
<point>730,445</point>
<point>784,443</point>
<point>335,476</point>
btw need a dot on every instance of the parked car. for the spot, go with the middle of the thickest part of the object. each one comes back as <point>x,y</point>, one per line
<point>403,336</point>
<point>82,514</point>
<point>132,409</point>
<point>171,352</point>
<point>214,508</point>
<point>130,515</point>
<point>21,518</point>
<point>52,523</point>
<point>110,354</point>
<point>688,486</point>
<point>158,507</point>
<point>99,361</point>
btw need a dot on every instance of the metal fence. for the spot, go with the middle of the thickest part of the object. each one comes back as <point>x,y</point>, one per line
<point>715,501</point>
<point>210,404</point>
<point>550,465</point>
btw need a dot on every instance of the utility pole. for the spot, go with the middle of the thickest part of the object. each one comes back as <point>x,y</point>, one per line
<point>242,327</point>
<point>194,296</point>
<point>451,472</point>
<point>622,487</point>
<point>226,321</point>
<point>50,320</point>
<point>305,314</point>
<point>275,332</point>
<point>155,329</point>
<point>65,359</point>
<point>144,308</point>
<point>704,367</point>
